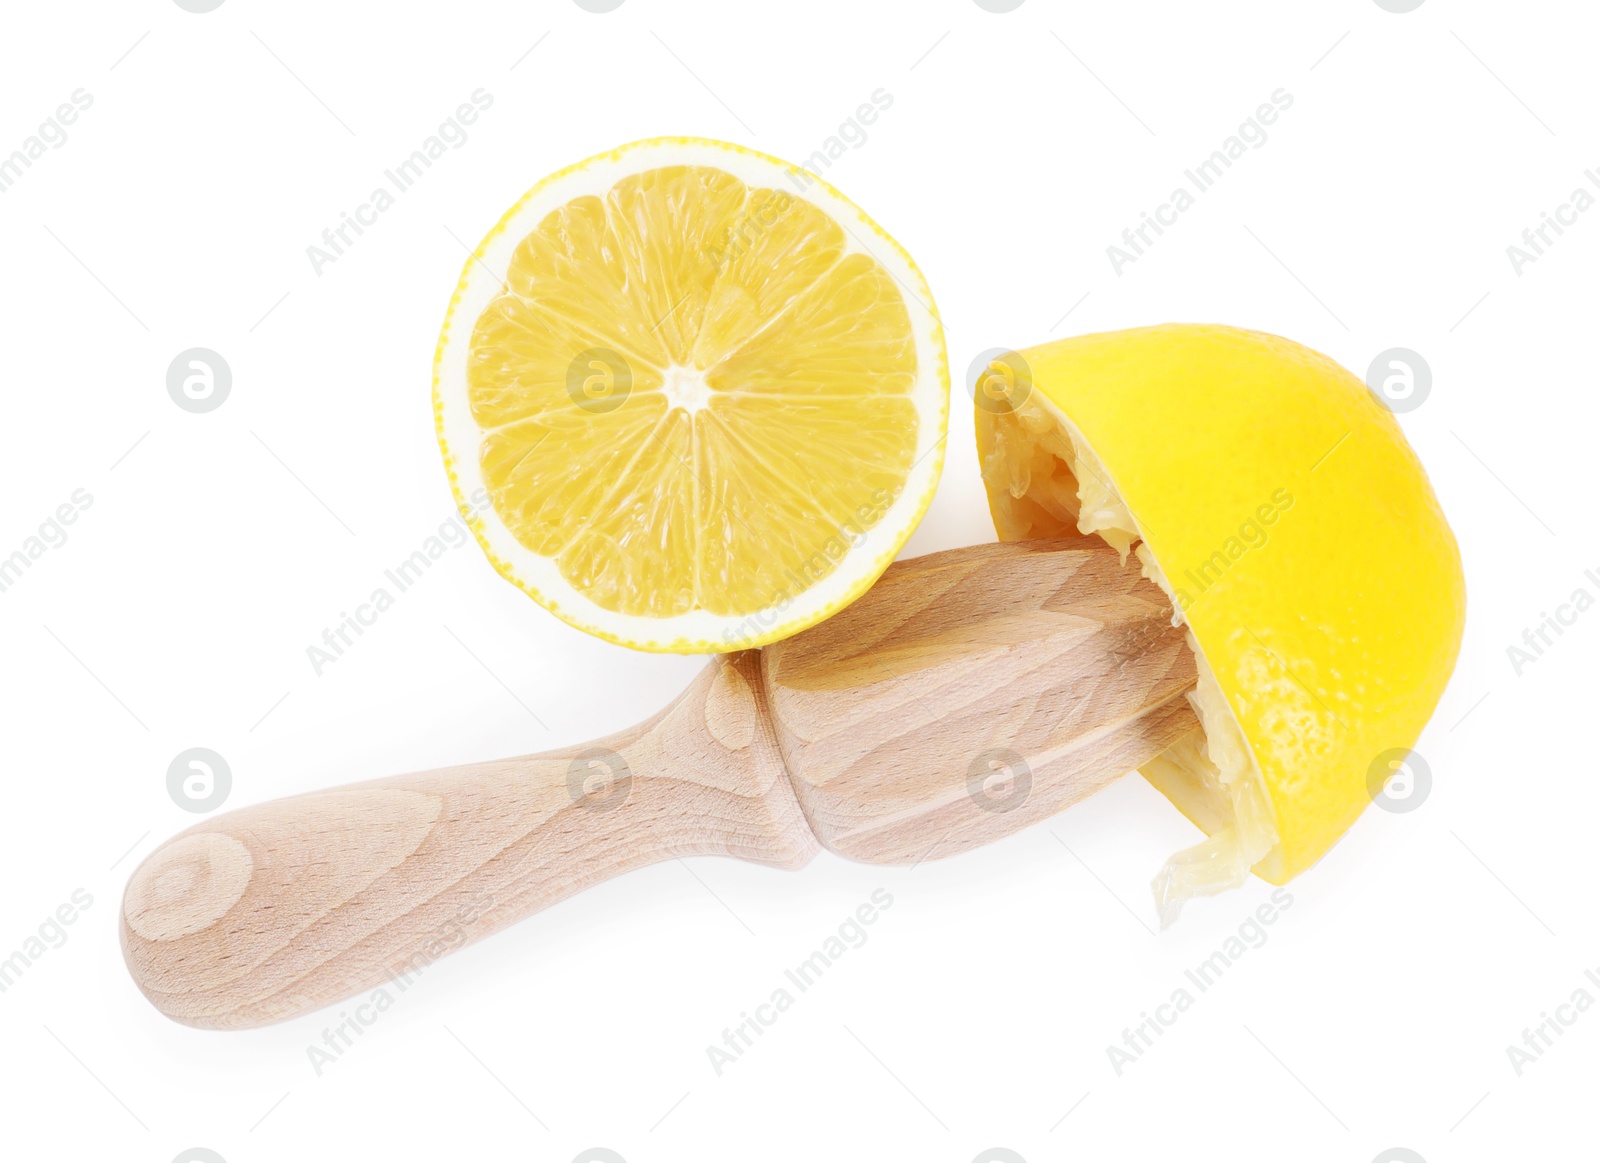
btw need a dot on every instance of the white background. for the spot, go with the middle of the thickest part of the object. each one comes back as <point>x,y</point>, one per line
<point>1018,146</point>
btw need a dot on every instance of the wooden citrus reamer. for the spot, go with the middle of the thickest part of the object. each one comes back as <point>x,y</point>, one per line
<point>965,696</point>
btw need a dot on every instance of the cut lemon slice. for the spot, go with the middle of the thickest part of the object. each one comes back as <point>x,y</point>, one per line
<point>704,395</point>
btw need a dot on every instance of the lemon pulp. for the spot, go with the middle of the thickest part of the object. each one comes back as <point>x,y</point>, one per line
<point>1047,482</point>
<point>693,393</point>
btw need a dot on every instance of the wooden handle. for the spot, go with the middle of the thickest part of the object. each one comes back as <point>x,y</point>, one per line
<point>274,910</point>
<point>966,695</point>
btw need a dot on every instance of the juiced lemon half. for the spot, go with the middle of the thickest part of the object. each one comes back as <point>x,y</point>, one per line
<point>704,394</point>
<point>1275,500</point>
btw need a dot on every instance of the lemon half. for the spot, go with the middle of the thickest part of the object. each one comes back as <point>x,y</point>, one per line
<point>704,394</point>
<point>1275,500</point>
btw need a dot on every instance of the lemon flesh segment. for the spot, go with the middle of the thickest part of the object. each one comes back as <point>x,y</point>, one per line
<point>697,401</point>
<point>1275,501</point>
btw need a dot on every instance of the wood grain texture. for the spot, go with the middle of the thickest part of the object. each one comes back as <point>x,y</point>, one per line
<point>966,695</point>
<point>274,910</point>
<point>970,694</point>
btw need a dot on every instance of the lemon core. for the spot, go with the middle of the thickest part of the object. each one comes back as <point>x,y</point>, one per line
<point>686,388</point>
